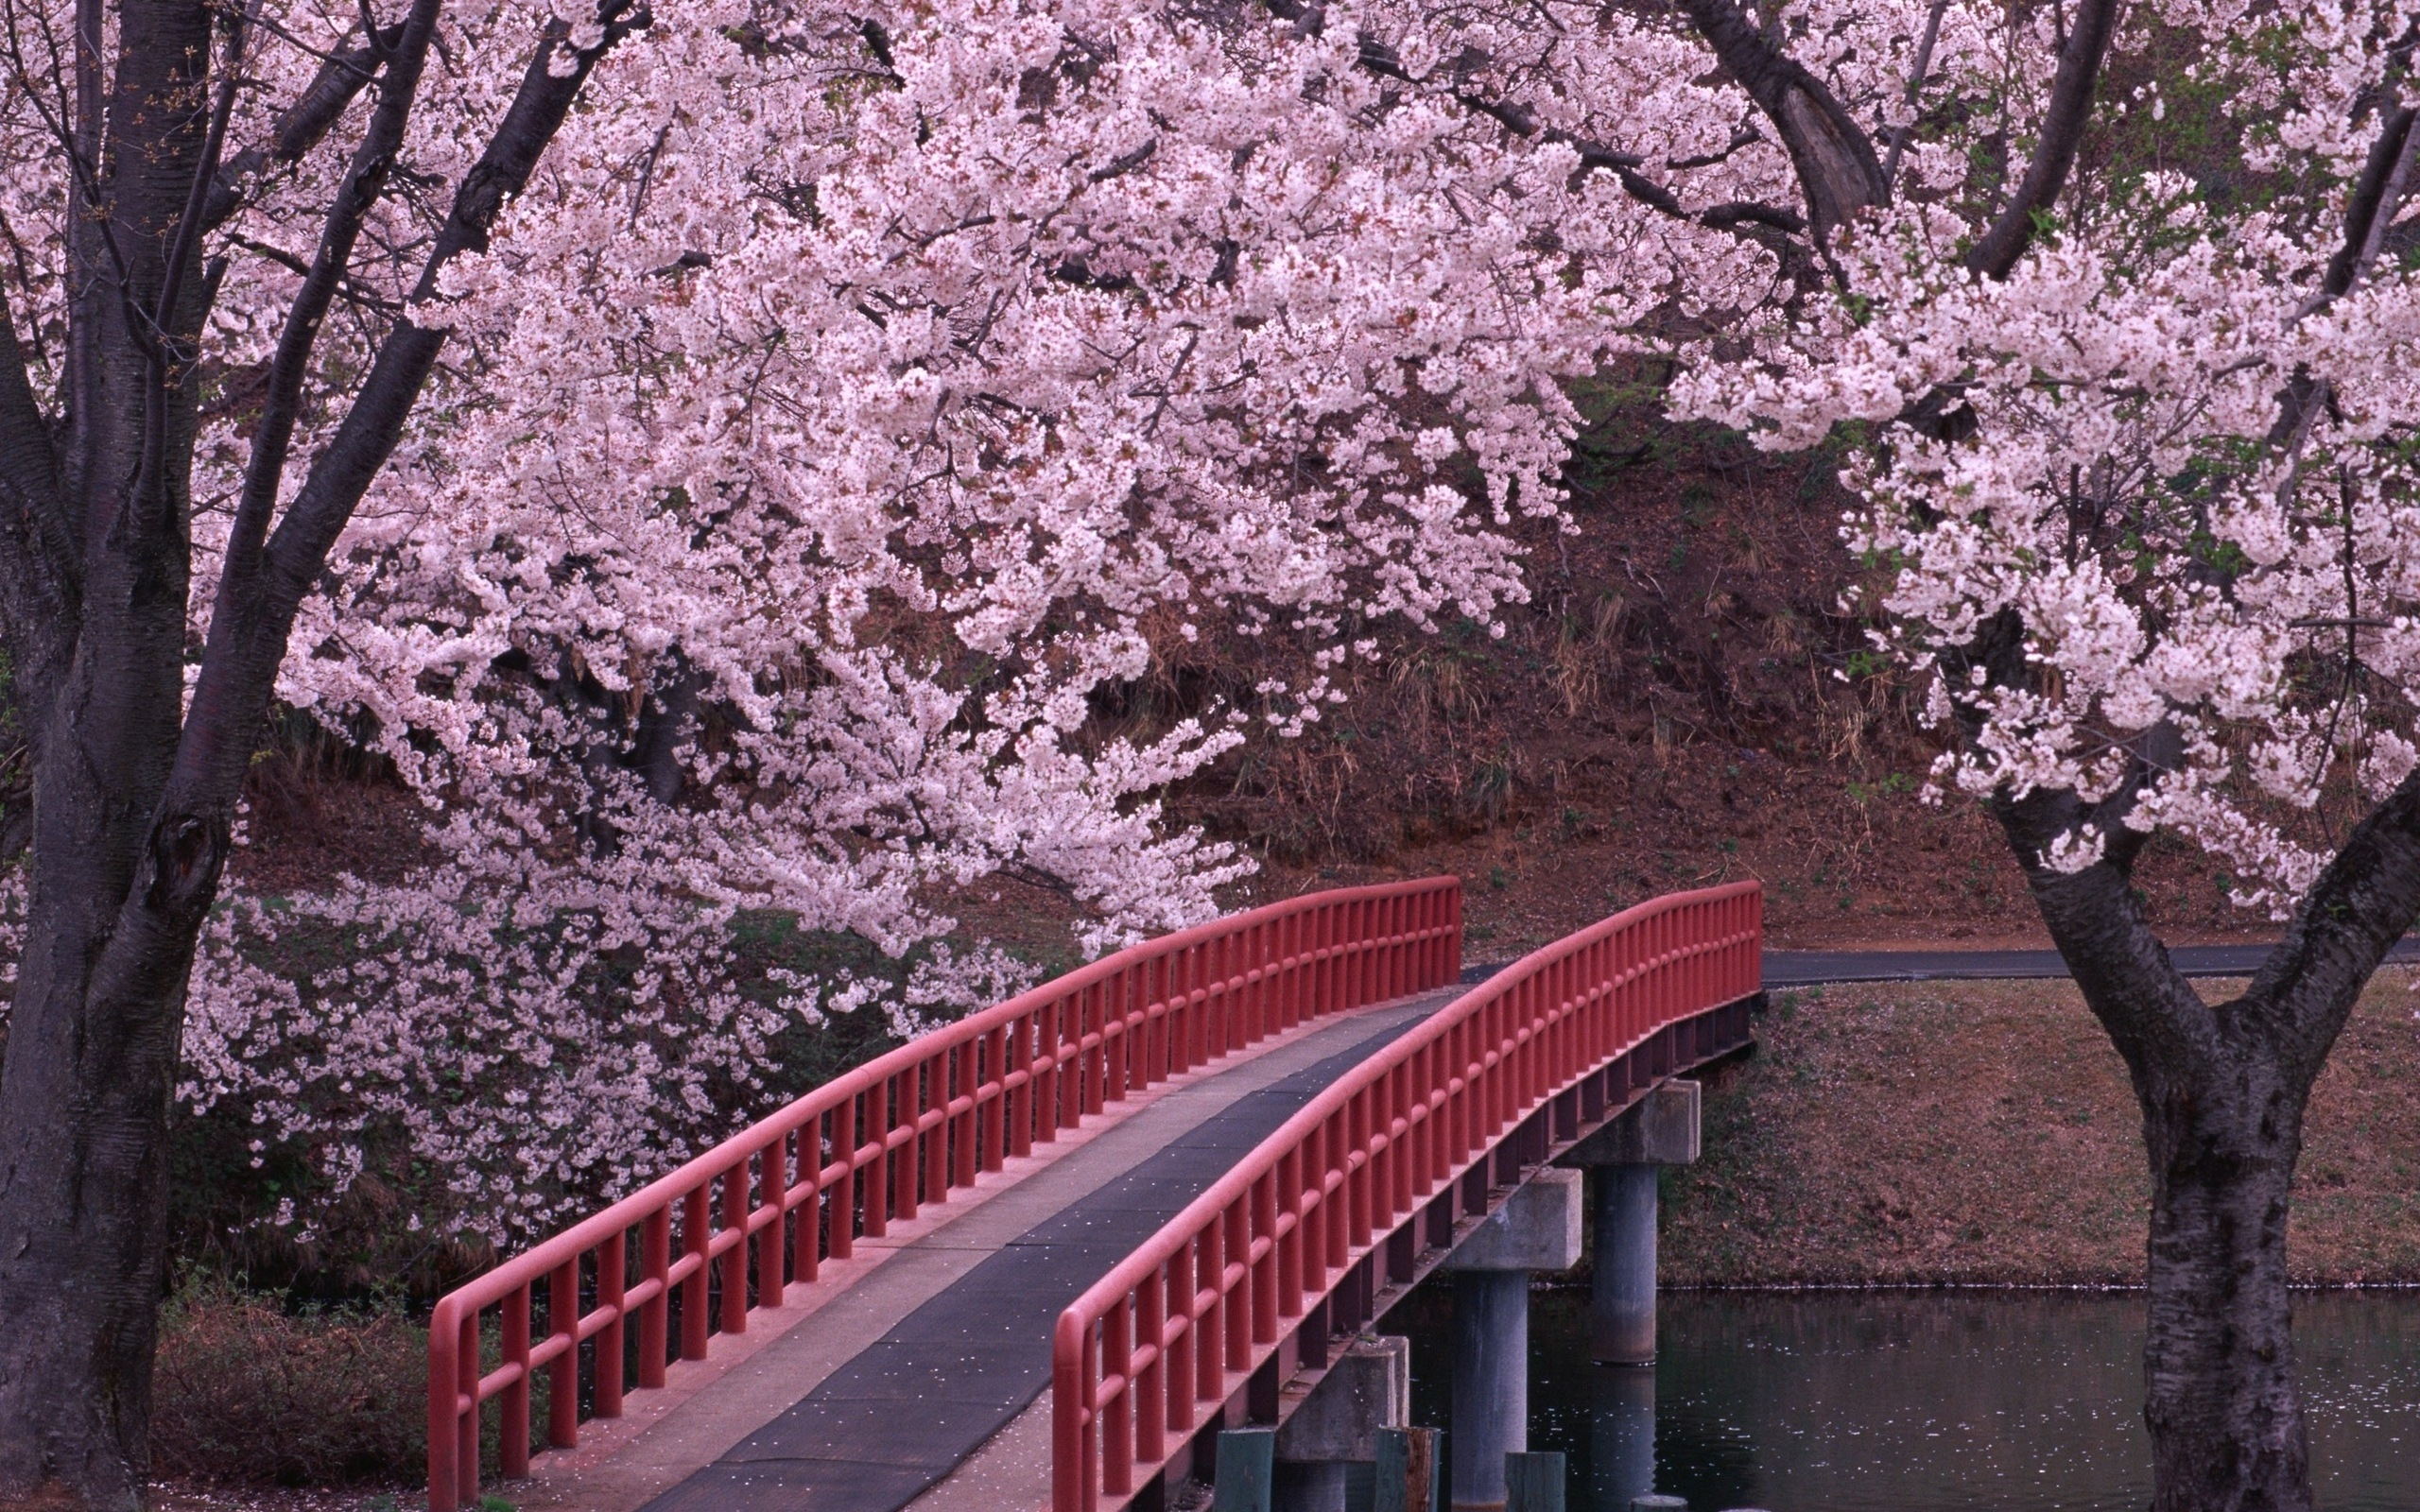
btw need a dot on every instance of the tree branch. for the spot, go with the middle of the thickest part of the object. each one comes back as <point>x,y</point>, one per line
<point>365,181</point>
<point>341,78</point>
<point>1517,118</point>
<point>2361,904</point>
<point>1915,90</point>
<point>2062,133</point>
<point>1834,158</point>
<point>2369,210</point>
<point>2151,1013</point>
<point>255,609</point>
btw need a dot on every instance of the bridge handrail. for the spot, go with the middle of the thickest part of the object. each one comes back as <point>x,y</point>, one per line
<point>1259,1247</point>
<point>925,1118</point>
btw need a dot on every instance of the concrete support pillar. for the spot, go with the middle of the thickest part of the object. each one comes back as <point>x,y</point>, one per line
<point>1536,1229</point>
<point>1491,1383</point>
<point>1366,1388</point>
<point>1621,1435</point>
<point>1621,1294</point>
<point>1659,1130</point>
<point>1534,1482</point>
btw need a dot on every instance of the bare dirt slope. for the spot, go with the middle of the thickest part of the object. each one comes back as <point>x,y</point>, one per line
<point>1984,1133</point>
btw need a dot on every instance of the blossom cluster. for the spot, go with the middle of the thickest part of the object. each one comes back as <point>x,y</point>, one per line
<point>858,398</point>
<point>855,397</point>
<point>2188,480</point>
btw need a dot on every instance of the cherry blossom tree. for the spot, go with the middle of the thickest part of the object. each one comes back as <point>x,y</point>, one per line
<point>2137,499</point>
<point>722,453</point>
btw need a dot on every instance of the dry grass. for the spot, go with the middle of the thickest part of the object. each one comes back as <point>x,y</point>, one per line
<point>1984,1133</point>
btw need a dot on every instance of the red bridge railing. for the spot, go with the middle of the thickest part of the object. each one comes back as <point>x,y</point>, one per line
<point>1181,1322</point>
<point>731,1230</point>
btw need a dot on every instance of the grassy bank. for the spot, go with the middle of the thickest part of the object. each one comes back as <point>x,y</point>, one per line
<point>1984,1133</point>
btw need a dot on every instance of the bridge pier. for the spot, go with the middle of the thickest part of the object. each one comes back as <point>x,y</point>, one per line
<point>1621,1435</point>
<point>1366,1388</point>
<point>1627,1154</point>
<point>1537,1229</point>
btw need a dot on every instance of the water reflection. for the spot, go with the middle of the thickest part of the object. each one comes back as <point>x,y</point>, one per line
<point>1918,1402</point>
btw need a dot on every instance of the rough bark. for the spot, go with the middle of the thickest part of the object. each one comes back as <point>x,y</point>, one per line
<point>133,792</point>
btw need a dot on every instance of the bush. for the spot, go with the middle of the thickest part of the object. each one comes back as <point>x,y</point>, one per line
<point>248,1391</point>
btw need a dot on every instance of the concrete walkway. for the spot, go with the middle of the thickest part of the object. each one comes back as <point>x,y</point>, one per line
<point>880,1392</point>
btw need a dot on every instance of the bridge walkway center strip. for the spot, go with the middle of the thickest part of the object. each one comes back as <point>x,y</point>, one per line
<point>885,1389</point>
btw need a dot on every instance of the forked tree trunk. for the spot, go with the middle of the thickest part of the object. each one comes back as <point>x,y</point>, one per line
<point>2220,1396</point>
<point>2222,1088</point>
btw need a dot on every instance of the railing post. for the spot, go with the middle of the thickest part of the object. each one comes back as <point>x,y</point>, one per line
<point>444,1410</point>
<point>1360,1198</point>
<point>1149,1389</point>
<point>1067,1062</point>
<point>807,1225</point>
<point>1075,1437</point>
<point>772,1197</point>
<point>905,1169</point>
<point>514,1450</point>
<point>694,1241</point>
<point>562,1372</point>
<point>1286,1204</point>
<point>1020,1112</point>
<point>611,1255</point>
<point>1134,1008</point>
<point>847,1122</point>
<point>877,1177</point>
<point>466,1421</point>
<point>655,1265</point>
<point>993,1096</point>
<point>1118,1416</point>
<point>1091,1047</point>
<point>1235,1308</point>
<point>1258,1322</point>
<point>734,1260</point>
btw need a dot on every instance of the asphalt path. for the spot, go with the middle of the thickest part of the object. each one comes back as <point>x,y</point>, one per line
<point>1818,968</point>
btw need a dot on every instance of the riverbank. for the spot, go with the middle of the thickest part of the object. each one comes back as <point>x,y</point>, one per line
<point>1983,1133</point>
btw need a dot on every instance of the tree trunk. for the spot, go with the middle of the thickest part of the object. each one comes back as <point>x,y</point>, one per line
<point>84,1099</point>
<point>2220,1397</point>
<point>134,792</point>
<point>118,895</point>
<point>2222,1087</point>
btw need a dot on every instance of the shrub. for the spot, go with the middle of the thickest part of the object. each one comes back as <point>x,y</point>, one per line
<point>249,1391</point>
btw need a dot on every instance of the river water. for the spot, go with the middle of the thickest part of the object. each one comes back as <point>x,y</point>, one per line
<point>1856,1401</point>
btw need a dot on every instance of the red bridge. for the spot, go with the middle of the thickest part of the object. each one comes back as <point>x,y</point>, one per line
<point>1045,1254</point>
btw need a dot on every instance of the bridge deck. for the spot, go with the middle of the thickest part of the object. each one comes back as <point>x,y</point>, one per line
<point>879,1393</point>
